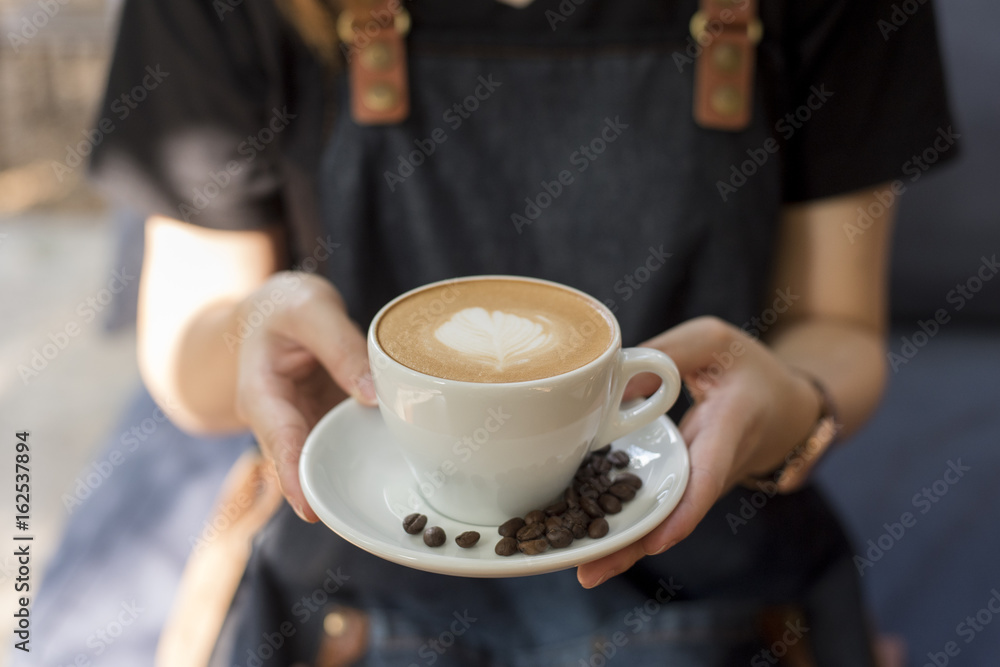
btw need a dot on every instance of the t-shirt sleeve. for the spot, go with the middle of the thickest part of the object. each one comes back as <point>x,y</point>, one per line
<point>868,98</point>
<point>186,129</point>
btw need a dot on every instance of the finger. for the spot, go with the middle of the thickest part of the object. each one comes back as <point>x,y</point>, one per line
<point>642,385</point>
<point>320,323</point>
<point>711,454</point>
<point>690,423</point>
<point>281,431</point>
<point>645,384</point>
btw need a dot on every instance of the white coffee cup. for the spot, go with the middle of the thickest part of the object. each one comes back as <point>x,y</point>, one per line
<point>484,452</point>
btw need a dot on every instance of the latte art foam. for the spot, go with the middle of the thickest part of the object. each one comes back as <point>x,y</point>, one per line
<point>496,339</point>
<point>495,330</point>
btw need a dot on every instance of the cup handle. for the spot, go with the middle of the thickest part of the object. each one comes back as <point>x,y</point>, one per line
<point>631,362</point>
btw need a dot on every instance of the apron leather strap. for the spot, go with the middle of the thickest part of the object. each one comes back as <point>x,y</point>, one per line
<point>373,32</point>
<point>728,31</point>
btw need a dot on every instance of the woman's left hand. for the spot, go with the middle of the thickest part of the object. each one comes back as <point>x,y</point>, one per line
<point>750,410</point>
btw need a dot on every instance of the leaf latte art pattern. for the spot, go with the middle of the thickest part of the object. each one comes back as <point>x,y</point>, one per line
<point>494,338</point>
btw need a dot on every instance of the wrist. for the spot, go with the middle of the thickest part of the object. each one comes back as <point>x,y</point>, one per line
<point>798,464</point>
<point>793,472</point>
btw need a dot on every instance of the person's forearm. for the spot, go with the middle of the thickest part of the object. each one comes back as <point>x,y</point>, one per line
<point>188,327</point>
<point>837,330</point>
<point>847,358</point>
<point>190,370</point>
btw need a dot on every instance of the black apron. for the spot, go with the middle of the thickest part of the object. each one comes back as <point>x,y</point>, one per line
<point>582,165</point>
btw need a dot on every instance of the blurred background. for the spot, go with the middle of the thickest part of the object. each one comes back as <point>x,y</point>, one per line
<point>69,269</point>
<point>58,244</point>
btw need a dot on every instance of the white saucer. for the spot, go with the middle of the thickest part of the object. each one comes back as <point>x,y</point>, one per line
<point>358,483</point>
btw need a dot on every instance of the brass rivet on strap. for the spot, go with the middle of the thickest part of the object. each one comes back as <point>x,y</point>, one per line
<point>334,624</point>
<point>346,27</point>
<point>402,21</point>
<point>698,27</point>
<point>727,57</point>
<point>377,56</point>
<point>726,100</point>
<point>699,23</point>
<point>380,97</point>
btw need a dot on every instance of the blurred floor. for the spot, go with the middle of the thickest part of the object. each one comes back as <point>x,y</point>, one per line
<point>56,277</point>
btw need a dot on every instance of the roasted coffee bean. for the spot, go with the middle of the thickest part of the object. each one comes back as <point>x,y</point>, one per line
<point>618,459</point>
<point>576,515</point>
<point>579,530</point>
<point>434,536</point>
<point>602,483</point>
<point>622,491</point>
<point>601,465</point>
<point>603,451</point>
<point>572,497</point>
<point>534,516</point>
<point>590,506</point>
<point>532,531</point>
<point>414,523</point>
<point>584,473</point>
<point>506,547</point>
<point>556,508</point>
<point>559,538</point>
<point>628,478</point>
<point>554,522</point>
<point>588,491</point>
<point>467,539</point>
<point>510,527</point>
<point>532,547</point>
<point>610,504</point>
<point>598,528</point>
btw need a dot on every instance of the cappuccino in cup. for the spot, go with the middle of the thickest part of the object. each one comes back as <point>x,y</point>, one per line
<point>495,388</point>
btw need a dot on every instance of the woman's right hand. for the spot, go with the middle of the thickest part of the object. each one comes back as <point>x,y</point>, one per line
<point>300,355</point>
